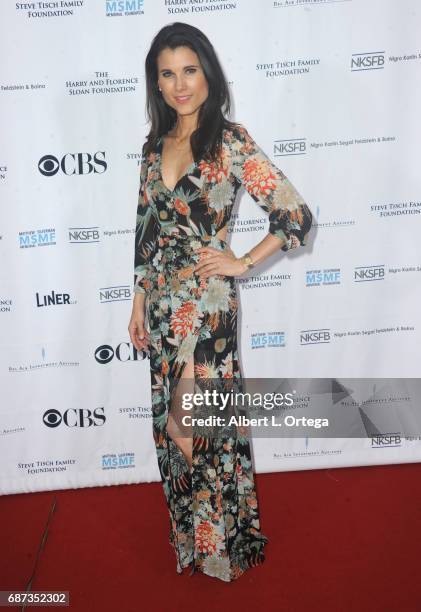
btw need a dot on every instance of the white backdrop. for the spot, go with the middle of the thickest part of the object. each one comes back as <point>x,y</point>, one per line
<point>330,91</point>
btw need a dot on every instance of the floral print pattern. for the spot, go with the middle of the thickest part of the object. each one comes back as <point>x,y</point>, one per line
<point>213,510</point>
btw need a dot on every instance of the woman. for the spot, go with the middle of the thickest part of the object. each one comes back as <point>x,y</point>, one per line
<point>193,163</point>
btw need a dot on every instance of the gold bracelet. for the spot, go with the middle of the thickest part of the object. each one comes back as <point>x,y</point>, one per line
<point>247,260</point>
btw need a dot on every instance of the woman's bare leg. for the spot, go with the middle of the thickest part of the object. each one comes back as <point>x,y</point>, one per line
<point>184,443</point>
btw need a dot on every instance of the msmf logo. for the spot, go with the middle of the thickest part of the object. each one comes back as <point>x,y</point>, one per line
<point>113,461</point>
<point>124,7</point>
<point>367,61</point>
<point>73,163</point>
<point>74,417</point>
<point>314,336</point>
<point>268,339</point>
<point>390,440</point>
<point>328,276</point>
<point>293,146</point>
<point>368,273</point>
<point>37,238</point>
<point>125,351</point>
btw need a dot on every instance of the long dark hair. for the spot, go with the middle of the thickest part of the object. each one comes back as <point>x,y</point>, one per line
<point>206,140</point>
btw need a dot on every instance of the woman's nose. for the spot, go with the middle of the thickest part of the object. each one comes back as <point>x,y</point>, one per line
<point>180,83</point>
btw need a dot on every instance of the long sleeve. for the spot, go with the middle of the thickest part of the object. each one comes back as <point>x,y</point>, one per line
<point>290,218</point>
<point>147,229</point>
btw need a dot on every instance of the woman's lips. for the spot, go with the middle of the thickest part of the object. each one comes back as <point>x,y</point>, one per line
<point>182,99</point>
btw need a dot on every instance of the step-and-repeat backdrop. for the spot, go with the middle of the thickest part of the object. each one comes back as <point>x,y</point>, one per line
<point>331,92</point>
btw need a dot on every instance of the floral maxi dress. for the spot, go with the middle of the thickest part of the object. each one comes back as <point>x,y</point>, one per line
<point>213,510</point>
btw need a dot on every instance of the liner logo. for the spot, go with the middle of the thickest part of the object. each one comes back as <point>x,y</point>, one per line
<point>53,299</point>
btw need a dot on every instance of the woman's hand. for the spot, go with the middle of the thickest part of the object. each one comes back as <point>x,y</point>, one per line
<point>212,261</point>
<point>138,334</point>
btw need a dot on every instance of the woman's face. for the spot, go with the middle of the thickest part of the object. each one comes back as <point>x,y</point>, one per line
<point>182,80</point>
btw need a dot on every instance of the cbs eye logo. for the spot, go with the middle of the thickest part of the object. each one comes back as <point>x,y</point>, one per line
<point>73,163</point>
<point>104,353</point>
<point>52,418</point>
<point>125,351</point>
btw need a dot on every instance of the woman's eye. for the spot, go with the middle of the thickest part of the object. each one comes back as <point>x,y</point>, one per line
<point>191,69</point>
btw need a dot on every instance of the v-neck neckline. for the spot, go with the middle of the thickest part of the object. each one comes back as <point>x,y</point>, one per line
<point>187,171</point>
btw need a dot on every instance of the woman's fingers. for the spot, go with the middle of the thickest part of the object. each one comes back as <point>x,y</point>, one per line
<point>210,269</point>
<point>138,335</point>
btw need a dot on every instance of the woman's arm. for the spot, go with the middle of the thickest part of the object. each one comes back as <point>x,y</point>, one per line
<point>290,218</point>
<point>147,229</point>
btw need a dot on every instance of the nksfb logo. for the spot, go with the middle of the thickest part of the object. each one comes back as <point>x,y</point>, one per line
<point>297,146</point>
<point>73,163</point>
<point>385,440</point>
<point>368,273</point>
<point>115,294</point>
<point>74,417</point>
<point>314,336</point>
<point>83,235</point>
<point>367,61</point>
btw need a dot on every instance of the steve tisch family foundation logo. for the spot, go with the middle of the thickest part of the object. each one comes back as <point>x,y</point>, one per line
<point>72,164</point>
<point>51,9</point>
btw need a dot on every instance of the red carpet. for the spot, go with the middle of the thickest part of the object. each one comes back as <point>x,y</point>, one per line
<point>341,540</point>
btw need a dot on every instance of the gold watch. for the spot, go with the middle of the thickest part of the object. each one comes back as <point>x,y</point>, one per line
<point>247,260</point>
